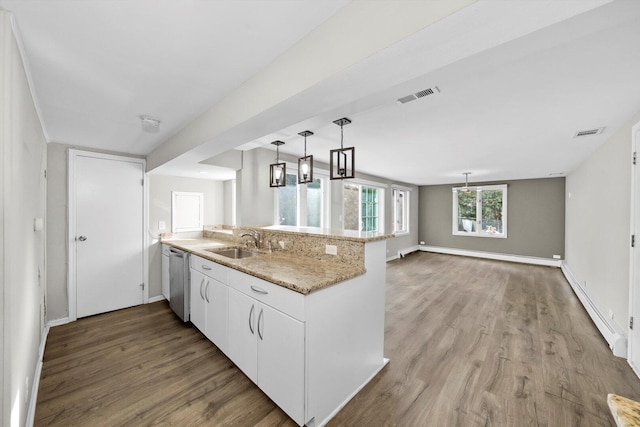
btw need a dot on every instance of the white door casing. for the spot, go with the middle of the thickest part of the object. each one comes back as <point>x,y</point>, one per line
<point>107,244</point>
<point>633,351</point>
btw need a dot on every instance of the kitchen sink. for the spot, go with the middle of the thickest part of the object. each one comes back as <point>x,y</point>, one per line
<point>233,253</point>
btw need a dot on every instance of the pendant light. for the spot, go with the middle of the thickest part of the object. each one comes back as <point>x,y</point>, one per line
<point>277,170</point>
<point>305,164</point>
<point>466,181</point>
<point>342,160</point>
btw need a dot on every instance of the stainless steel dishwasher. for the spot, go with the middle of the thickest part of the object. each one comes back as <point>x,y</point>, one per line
<point>179,283</point>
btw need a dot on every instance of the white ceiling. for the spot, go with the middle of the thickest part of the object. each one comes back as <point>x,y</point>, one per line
<point>517,79</point>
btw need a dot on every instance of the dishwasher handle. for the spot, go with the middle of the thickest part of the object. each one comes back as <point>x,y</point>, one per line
<point>174,252</point>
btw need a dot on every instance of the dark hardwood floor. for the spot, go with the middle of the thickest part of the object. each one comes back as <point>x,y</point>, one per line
<point>472,343</point>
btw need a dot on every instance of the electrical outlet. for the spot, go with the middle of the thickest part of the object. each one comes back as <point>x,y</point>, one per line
<point>331,249</point>
<point>162,225</point>
<point>557,257</point>
<point>422,242</point>
<point>282,245</point>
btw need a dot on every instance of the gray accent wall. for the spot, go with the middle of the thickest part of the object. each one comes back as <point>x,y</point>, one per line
<point>535,219</point>
<point>598,224</point>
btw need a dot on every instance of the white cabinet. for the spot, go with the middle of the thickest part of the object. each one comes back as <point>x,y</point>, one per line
<point>209,306</point>
<point>268,346</point>
<point>165,271</point>
<point>198,303</point>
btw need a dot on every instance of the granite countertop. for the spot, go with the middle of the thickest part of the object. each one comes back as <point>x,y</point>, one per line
<point>626,412</point>
<point>351,235</point>
<point>300,274</point>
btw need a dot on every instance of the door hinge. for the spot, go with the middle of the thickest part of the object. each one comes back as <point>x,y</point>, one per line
<point>631,322</point>
<point>633,240</point>
<point>634,157</point>
<point>142,286</point>
<point>142,181</point>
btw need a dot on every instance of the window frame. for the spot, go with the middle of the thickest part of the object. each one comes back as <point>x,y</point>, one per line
<point>406,202</point>
<point>381,202</point>
<point>478,221</point>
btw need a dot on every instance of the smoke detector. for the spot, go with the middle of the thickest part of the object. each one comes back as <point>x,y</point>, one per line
<point>420,94</point>
<point>588,132</point>
<point>150,124</point>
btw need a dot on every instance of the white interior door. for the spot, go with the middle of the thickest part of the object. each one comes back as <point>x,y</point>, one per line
<point>107,233</point>
<point>633,351</point>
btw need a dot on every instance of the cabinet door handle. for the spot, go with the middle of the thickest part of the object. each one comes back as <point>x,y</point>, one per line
<point>206,291</point>
<point>258,290</point>
<point>259,320</point>
<point>251,319</point>
<point>206,267</point>
<point>201,285</point>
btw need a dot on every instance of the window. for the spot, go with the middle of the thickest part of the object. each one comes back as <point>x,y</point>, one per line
<point>186,211</point>
<point>362,208</point>
<point>480,211</point>
<point>400,211</point>
<point>302,205</point>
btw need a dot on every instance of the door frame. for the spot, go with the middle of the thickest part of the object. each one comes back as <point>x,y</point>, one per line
<point>71,264</point>
<point>634,274</point>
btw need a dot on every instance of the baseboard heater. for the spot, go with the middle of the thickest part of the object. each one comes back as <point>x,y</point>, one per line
<point>610,330</point>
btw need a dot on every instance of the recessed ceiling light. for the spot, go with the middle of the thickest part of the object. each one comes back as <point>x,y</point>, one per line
<point>150,124</point>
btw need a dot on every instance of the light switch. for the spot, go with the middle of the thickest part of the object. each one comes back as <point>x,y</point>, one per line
<point>38,224</point>
<point>162,225</point>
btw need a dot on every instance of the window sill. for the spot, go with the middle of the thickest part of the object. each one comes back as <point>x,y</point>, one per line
<point>400,234</point>
<point>491,236</point>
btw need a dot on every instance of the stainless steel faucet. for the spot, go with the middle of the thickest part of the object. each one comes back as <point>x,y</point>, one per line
<point>255,234</point>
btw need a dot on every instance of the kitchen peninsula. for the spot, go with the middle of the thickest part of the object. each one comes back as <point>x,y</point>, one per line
<point>304,320</point>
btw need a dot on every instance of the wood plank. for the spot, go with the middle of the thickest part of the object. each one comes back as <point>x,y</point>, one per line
<point>471,342</point>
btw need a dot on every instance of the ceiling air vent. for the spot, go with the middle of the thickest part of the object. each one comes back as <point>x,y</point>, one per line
<point>419,94</point>
<point>588,132</point>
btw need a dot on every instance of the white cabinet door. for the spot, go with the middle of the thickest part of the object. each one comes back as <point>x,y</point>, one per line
<point>215,294</point>
<point>281,360</point>
<point>243,344</point>
<point>165,272</point>
<point>198,303</point>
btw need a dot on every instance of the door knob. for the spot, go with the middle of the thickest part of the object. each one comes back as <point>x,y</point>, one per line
<point>82,238</point>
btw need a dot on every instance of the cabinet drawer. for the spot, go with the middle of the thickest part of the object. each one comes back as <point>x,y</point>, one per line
<point>278,297</point>
<point>209,268</point>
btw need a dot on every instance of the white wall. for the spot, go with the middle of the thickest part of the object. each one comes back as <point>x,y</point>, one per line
<point>160,188</point>
<point>597,228</point>
<point>23,152</point>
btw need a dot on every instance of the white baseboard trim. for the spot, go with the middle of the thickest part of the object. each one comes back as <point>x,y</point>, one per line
<point>385,361</point>
<point>610,330</point>
<point>57,322</point>
<point>35,384</point>
<point>404,252</point>
<point>490,255</point>
<point>156,299</point>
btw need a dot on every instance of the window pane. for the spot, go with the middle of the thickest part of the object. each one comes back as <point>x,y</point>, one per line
<point>492,211</point>
<point>399,215</point>
<point>288,201</point>
<point>369,209</point>
<point>467,211</point>
<point>314,203</point>
<point>350,207</point>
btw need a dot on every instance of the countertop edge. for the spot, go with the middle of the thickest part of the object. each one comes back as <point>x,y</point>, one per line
<point>196,247</point>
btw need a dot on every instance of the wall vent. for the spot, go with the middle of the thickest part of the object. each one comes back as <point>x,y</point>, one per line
<point>419,94</point>
<point>588,132</point>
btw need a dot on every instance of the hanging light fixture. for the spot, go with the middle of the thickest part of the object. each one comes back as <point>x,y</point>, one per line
<point>466,181</point>
<point>305,164</point>
<point>342,160</point>
<point>277,170</point>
